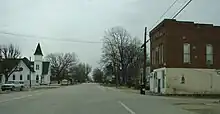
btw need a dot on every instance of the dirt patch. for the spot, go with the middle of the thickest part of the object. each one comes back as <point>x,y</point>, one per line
<point>200,108</point>
<point>202,111</point>
<point>190,104</point>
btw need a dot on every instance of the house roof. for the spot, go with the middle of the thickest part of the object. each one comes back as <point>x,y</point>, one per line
<point>8,64</point>
<point>28,63</point>
<point>11,63</point>
<point>45,68</point>
<point>38,50</point>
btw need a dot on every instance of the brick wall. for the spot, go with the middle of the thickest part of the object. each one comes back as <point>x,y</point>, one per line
<point>173,34</point>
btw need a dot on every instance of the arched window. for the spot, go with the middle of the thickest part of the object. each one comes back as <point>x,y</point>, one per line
<point>13,77</point>
<point>186,53</point>
<point>37,79</point>
<point>209,54</point>
<point>37,67</point>
<point>28,77</point>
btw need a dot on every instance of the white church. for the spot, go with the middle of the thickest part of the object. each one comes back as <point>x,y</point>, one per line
<point>38,69</point>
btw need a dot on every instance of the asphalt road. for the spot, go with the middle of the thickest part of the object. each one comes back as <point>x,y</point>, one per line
<point>84,99</point>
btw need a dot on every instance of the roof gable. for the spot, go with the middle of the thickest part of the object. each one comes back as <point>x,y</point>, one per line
<point>38,50</point>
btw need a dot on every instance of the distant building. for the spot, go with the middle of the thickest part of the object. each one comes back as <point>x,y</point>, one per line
<point>39,69</point>
<point>185,57</point>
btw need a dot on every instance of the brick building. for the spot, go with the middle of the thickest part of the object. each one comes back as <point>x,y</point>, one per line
<point>180,44</point>
<point>185,58</point>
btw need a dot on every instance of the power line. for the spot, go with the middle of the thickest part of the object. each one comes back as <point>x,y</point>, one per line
<point>162,17</point>
<point>165,13</point>
<point>181,9</point>
<point>47,38</point>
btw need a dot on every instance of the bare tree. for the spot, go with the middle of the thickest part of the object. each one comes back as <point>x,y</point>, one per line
<point>81,72</point>
<point>124,53</point>
<point>97,75</point>
<point>88,69</point>
<point>10,51</point>
<point>61,62</point>
<point>9,64</point>
<point>116,41</point>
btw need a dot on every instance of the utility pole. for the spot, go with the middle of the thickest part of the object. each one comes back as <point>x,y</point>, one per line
<point>30,73</point>
<point>143,78</point>
<point>145,57</point>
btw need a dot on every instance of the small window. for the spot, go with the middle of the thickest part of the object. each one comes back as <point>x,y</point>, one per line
<point>13,77</point>
<point>162,53</point>
<point>163,78</point>
<point>21,77</point>
<point>183,80</point>
<point>159,55</point>
<point>37,67</point>
<point>186,53</point>
<point>152,58</point>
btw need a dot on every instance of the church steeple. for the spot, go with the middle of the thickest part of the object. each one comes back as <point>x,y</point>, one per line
<point>38,50</point>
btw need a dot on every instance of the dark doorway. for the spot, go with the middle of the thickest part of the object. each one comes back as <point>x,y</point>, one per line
<point>158,86</point>
<point>37,79</point>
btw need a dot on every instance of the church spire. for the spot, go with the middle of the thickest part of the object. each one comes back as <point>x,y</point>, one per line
<point>38,50</point>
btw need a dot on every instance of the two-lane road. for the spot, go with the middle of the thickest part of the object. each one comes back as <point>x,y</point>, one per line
<point>84,99</point>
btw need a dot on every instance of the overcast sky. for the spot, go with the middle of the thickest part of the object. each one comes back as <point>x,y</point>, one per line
<point>86,20</point>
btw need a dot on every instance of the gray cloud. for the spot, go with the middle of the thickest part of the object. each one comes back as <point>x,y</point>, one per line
<point>87,19</point>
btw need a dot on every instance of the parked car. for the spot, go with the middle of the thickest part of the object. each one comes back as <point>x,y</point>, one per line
<point>13,85</point>
<point>64,82</point>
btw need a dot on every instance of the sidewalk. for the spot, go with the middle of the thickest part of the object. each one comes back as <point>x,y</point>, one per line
<point>45,87</point>
<point>33,88</point>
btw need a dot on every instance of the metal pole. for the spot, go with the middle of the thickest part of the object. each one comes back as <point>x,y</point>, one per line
<point>145,57</point>
<point>30,73</point>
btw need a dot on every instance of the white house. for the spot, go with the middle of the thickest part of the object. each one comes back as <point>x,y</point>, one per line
<point>185,81</point>
<point>38,69</point>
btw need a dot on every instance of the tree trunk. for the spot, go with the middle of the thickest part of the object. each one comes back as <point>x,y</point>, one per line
<point>6,78</point>
<point>123,74</point>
